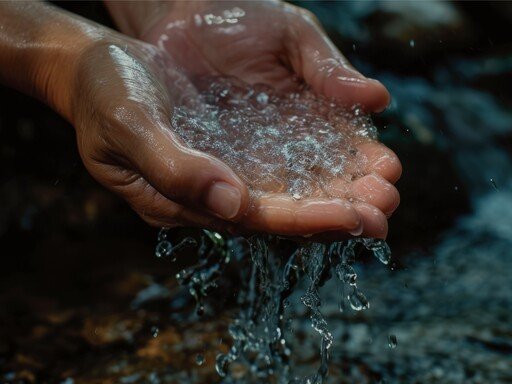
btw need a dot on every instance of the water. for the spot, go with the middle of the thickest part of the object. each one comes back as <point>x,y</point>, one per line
<point>295,142</point>
<point>269,276</point>
<point>200,359</point>
<point>392,341</point>
<point>277,142</point>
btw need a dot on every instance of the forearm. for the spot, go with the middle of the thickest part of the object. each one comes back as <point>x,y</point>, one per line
<point>38,48</point>
<point>134,18</point>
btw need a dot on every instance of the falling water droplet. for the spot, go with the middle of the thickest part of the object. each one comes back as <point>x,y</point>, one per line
<point>154,331</point>
<point>200,359</point>
<point>392,341</point>
<point>493,182</point>
<point>379,248</point>
<point>358,300</point>
<point>221,365</point>
<point>412,43</point>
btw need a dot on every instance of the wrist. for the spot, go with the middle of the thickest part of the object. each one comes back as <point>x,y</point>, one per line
<point>39,49</point>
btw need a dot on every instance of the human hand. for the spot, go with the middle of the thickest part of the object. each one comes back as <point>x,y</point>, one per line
<point>276,43</point>
<point>119,94</point>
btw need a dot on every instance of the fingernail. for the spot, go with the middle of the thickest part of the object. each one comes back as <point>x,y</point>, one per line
<point>223,200</point>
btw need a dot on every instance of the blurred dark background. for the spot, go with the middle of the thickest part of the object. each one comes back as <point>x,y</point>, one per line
<point>72,251</point>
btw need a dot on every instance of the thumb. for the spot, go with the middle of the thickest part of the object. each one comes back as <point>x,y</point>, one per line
<point>188,177</point>
<point>314,57</point>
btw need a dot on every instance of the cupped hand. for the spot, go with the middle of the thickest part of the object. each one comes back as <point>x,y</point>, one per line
<point>282,45</point>
<point>124,93</point>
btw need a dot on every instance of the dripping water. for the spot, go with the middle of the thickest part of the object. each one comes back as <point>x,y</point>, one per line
<point>259,341</point>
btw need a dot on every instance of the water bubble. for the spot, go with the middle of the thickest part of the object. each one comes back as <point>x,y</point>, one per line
<point>392,341</point>
<point>163,249</point>
<point>200,360</point>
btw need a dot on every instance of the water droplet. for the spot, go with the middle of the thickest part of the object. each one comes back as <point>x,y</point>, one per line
<point>412,43</point>
<point>358,300</point>
<point>296,196</point>
<point>495,186</point>
<point>392,341</point>
<point>200,360</point>
<point>379,248</point>
<point>221,365</point>
<point>154,331</point>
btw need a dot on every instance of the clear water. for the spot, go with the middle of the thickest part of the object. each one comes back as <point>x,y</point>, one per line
<point>259,348</point>
<point>277,142</point>
<point>294,143</point>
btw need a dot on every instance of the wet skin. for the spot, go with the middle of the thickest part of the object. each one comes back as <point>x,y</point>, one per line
<point>119,93</point>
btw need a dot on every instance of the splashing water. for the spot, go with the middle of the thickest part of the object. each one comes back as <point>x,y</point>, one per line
<point>295,143</point>
<point>259,347</point>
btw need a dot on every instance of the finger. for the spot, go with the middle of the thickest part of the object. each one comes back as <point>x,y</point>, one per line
<point>149,204</point>
<point>375,223</point>
<point>372,189</point>
<point>283,215</point>
<point>380,159</point>
<point>158,211</point>
<point>191,178</point>
<point>314,57</point>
